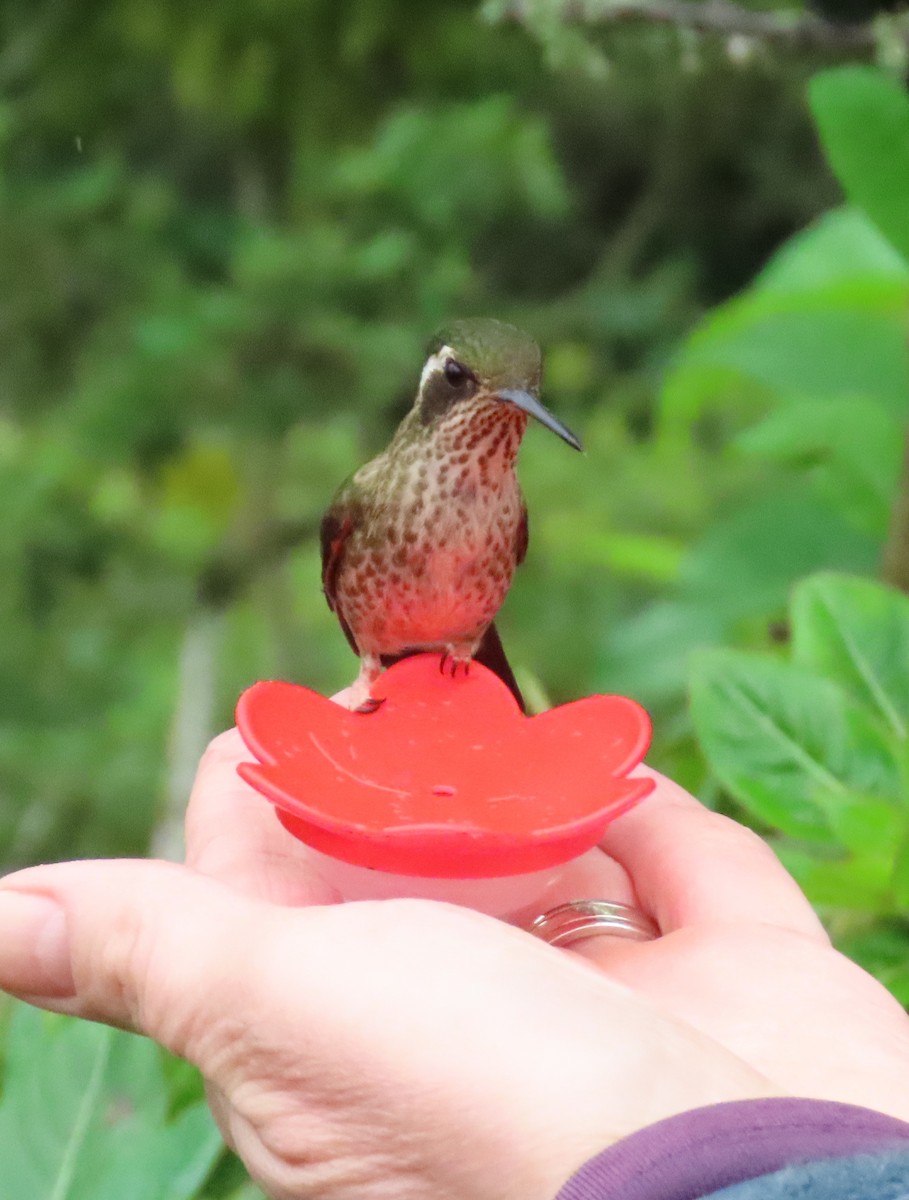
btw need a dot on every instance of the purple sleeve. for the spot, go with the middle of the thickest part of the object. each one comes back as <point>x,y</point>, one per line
<point>695,1153</point>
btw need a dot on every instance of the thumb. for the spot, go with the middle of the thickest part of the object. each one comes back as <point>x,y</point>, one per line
<point>148,946</point>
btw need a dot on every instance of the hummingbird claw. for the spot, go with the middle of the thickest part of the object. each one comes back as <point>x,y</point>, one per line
<point>370,706</point>
<point>449,663</point>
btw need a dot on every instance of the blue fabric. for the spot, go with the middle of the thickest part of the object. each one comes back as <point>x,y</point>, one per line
<point>697,1154</point>
<point>866,1177</point>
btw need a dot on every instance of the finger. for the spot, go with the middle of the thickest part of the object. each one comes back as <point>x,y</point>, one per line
<point>148,946</point>
<point>272,1005</point>
<point>154,947</point>
<point>691,866</point>
<point>593,876</point>
<point>232,833</point>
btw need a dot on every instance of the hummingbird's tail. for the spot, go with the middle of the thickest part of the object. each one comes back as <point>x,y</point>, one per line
<point>491,654</point>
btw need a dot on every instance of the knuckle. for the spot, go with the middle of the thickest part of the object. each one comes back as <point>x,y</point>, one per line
<point>222,745</point>
<point>120,970</point>
<point>749,842</point>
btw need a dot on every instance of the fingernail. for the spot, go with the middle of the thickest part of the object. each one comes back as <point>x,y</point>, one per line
<point>34,947</point>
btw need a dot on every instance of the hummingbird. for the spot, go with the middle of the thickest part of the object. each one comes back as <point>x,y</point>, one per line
<point>420,545</point>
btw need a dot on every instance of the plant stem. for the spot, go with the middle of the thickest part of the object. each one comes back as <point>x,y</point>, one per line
<point>192,727</point>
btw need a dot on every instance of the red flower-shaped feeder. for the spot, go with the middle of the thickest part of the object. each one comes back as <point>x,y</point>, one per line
<point>447,779</point>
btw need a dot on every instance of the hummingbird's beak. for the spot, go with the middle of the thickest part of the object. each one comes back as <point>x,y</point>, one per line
<point>530,404</point>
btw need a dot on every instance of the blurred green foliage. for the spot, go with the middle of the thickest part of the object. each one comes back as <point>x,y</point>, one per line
<point>817,749</point>
<point>87,1114</point>
<point>226,234</point>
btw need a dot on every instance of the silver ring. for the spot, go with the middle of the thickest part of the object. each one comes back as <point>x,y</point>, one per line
<point>587,918</point>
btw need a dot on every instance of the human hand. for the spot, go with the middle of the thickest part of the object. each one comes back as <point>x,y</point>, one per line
<point>412,1049</point>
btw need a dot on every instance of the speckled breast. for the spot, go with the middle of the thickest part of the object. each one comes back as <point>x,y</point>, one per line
<point>434,572</point>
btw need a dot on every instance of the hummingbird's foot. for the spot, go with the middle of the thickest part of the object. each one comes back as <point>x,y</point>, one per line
<point>451,663</point>
<point>359,697</point>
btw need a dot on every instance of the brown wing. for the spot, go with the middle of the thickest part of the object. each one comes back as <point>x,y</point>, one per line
<point>333,534</point>
<point>523,536</point>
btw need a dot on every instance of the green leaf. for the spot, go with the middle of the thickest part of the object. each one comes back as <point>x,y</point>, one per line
<point>791,747</point>
<point>863,118</point>
<point>747,561</point>
<point>83,1117</point>
<point>851,445</point>
<point>648,653</point>
<point>842,341</point>
<point>866,826</point>
<point>839,246</point>
<point>156,1162</point>
<point>900,878</point>
<point>882,948</point>
<point>825,319</point>
<point>856,632</point>
<point>862,885</point>
<point>896,979</point>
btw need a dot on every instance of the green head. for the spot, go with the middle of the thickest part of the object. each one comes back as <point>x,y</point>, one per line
<point>485,359</point>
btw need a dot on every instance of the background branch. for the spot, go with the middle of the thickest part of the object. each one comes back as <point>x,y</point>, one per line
<point>799,29</point>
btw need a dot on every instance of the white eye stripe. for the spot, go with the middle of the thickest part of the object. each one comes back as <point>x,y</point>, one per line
<point>435,362</point>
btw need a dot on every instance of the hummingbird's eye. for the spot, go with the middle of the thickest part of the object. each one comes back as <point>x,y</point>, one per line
<point>455,373</point>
